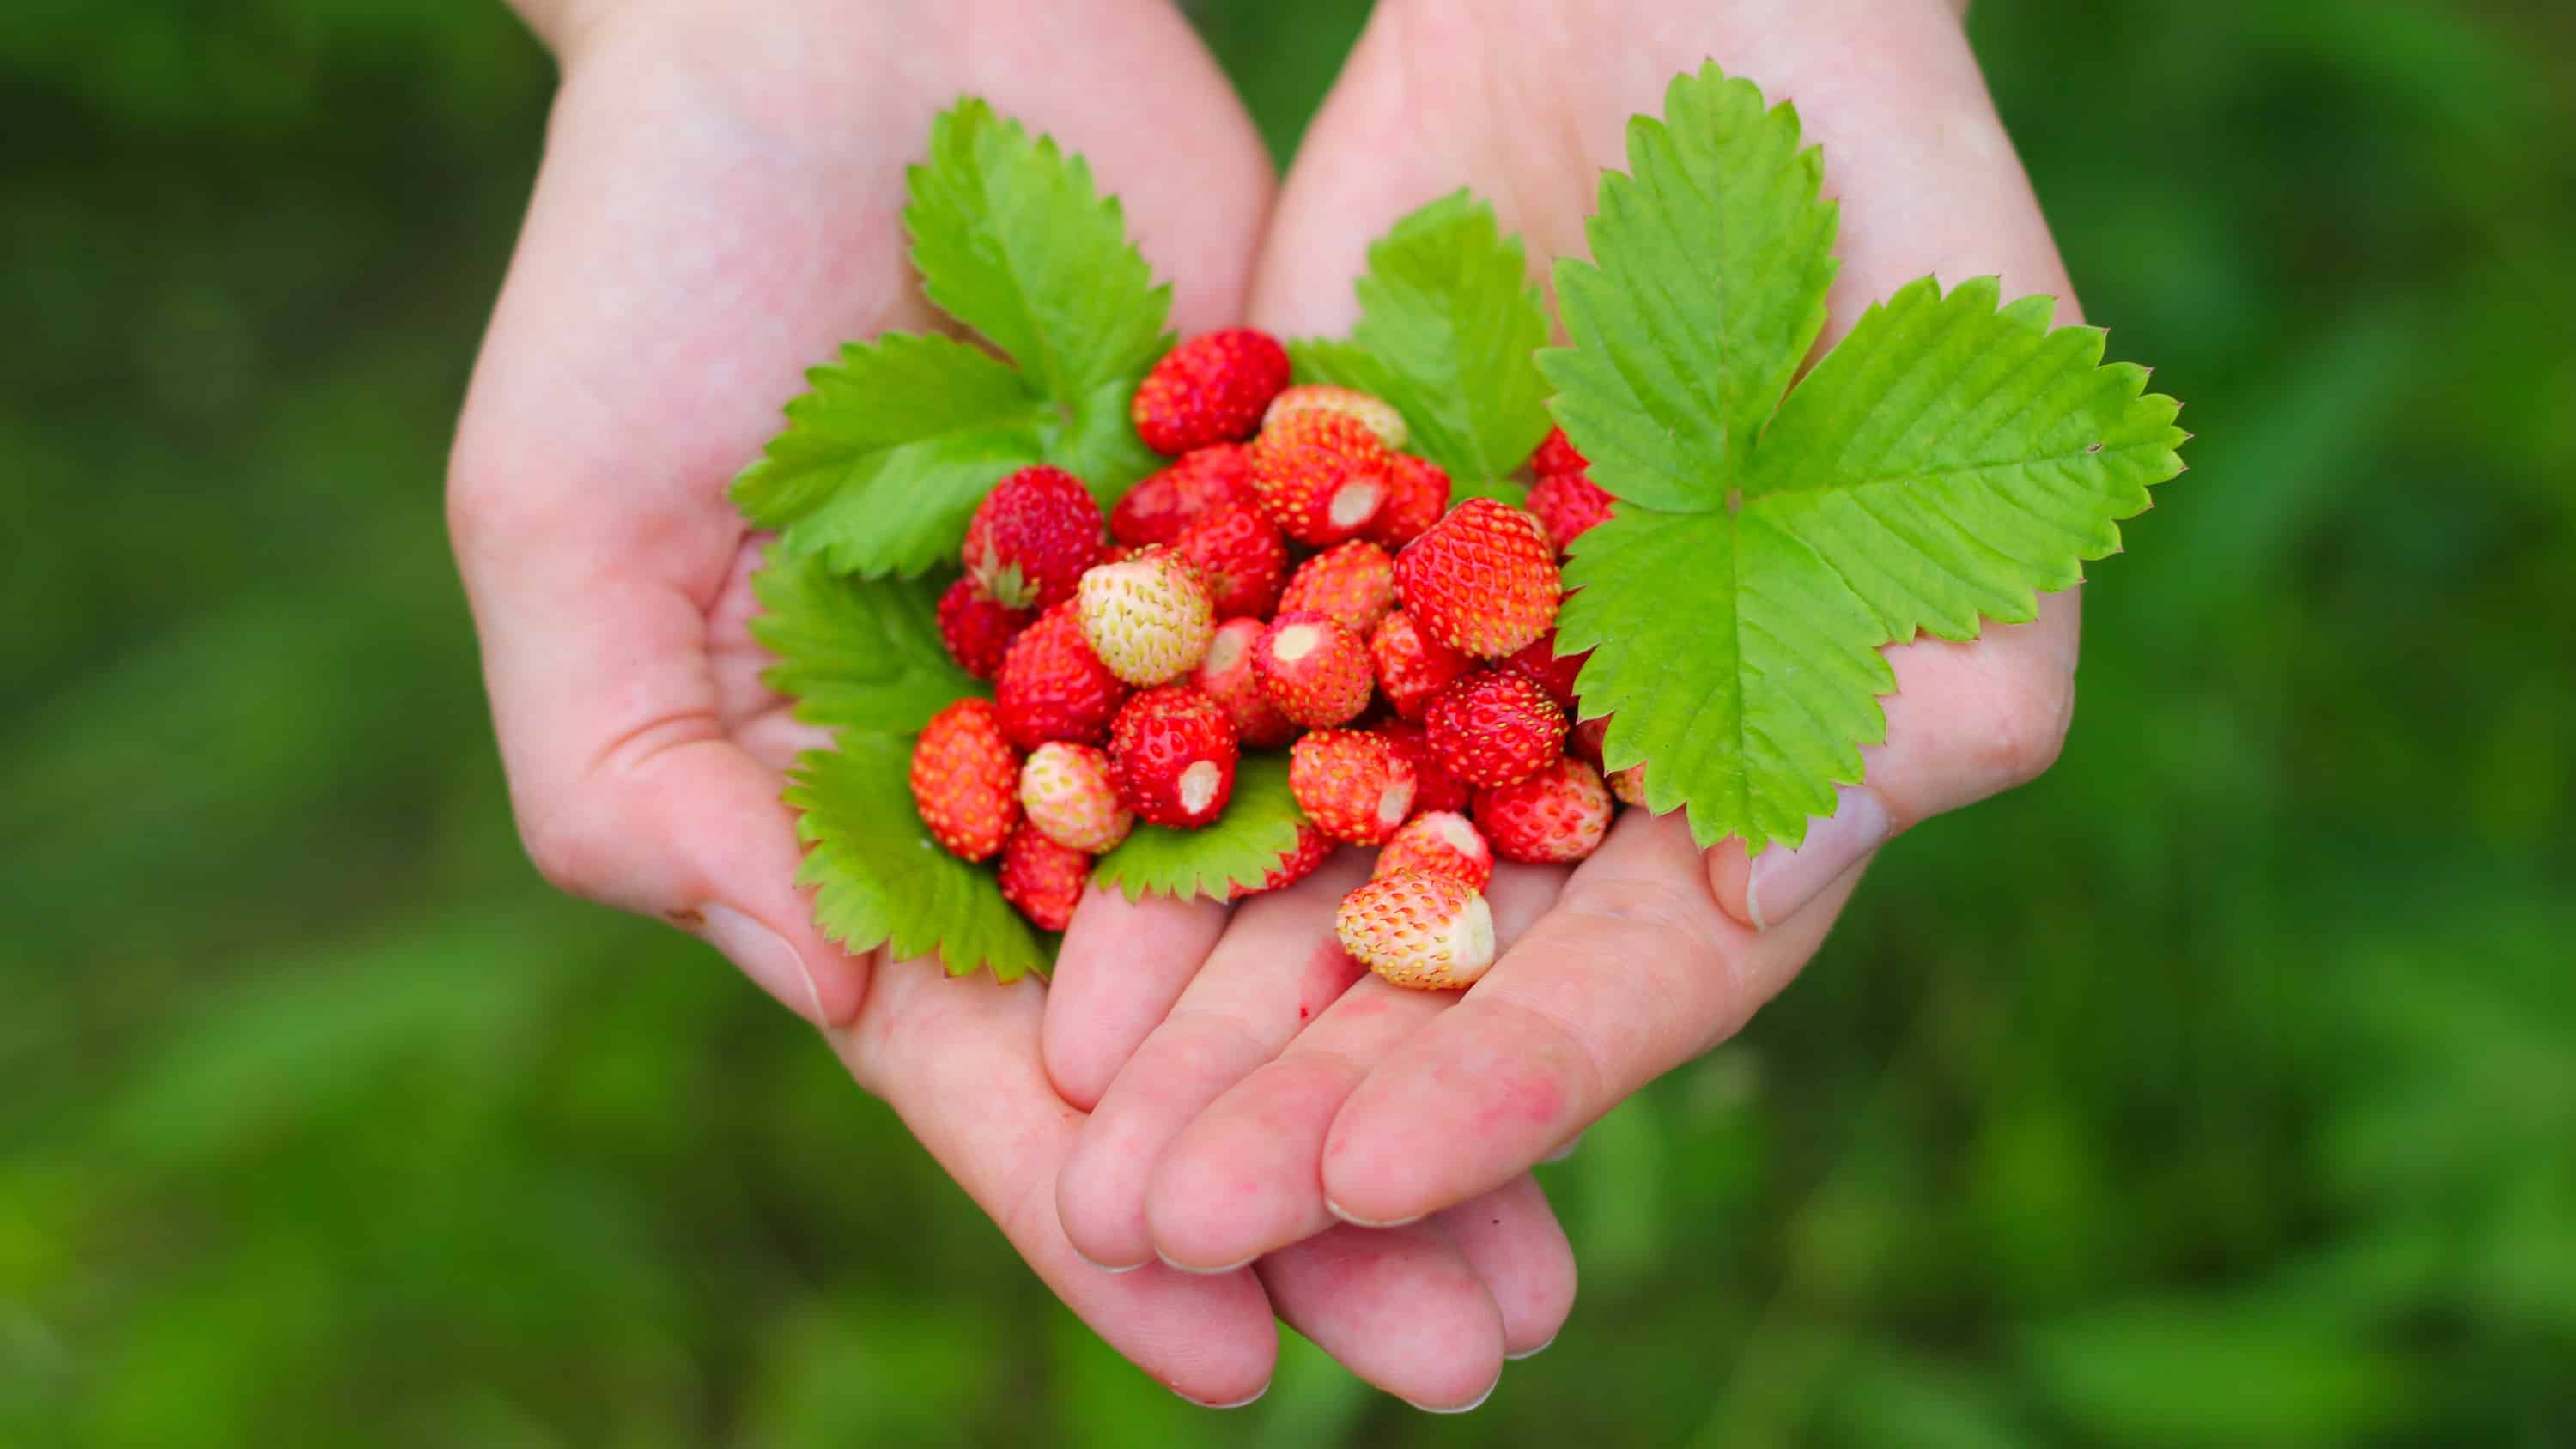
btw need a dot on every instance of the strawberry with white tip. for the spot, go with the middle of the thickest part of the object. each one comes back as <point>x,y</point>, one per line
<point>1427,932</point>
<point>1228,677</point>
<point>1438,842</point>
<point>1321,477</point>
<point>1314,670</point>
<point>1351,783</point>
<point>1172,755</point>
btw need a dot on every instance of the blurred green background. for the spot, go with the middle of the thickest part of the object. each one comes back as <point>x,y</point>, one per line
<point>2219,1090</point>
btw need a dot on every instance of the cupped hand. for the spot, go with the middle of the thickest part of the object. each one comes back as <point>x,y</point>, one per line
<point>1250,1088</point>
<point>719,207</point>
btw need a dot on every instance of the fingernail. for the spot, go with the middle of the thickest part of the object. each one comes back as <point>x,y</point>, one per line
<point>1469,1407</point>
<point>1783,881</point>
<point>763,955</point>
<point>1237,1404</point>
<point>1533,1352</point>
<point>1201,1272</point>
<point>1560,1154</point>
<point>1355,1220</point>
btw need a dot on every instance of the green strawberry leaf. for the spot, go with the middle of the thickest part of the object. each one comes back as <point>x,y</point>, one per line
<point>880,880</point>
<point>1096,442</point>
<point>1945,462</point>
<point>1259,826</point>
<point>1449,321</point>
<point>854,653</point>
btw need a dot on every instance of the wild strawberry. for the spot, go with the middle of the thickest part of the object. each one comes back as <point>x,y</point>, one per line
<point>1428,932</point>
<point>1434,788</point>
<point>1227,676</point>
<point>1353,583</point>
<point>1210,389</point>
<point>965,779</point>
<point>1556,455</point>
<point>1629,785</point>
<point>1065,790</point>
<point>1052,687</point>
<point>1320,476</point>
<point>1568,505</point>
<point>976,630</point>
<point>1156,509</point>
<point>1549,670</point>
<point>1148,619</point>
<point>1352,784</point>
<point>1493,728</point>
<point>1584,741</point>
<point>1482,580</point>
<point>1172,754</point>
<point>1411,665</point>
<point>1042,878</point>
<point>1417,493</point>
<point>1240,557</point>
<point>1438,842</point>
<point>1315,670</point>
<point>1032,537</point>
<point>1118,553</point>
<point>1367,409</point>
<point>1301,860</point>
<point>1555,816</point>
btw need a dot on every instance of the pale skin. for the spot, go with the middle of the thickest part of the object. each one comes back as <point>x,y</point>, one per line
<point>719,208</point>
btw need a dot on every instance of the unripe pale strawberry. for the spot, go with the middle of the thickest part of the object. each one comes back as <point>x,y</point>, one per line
<point>1438,842</point>
<point>1417,493</point>
<point>1494,727</point>
<point>1567,506</point>
<point>1412,666</point>
<point>978,631</point>
<point>1227,676</point>
<point>1031,538</point>
<point>1312,849</point>
<point>1052,687</point>
<point>1629,785</point>
<point>1428,932</point>
<point>1210,389</point>
<point>1556,455</point>
<point>1367,409</point>
<point>1351,783</point>
<point>1172,754</point>
<point>1043,879</point>
<point>965,779</point>
<point>1548,670</point>
<point>1554,817</point>
<point>1482,581</point>
<point>1434,788</point>
<point>1148,619</point>
<point>1065,791</point>
<point>1315,670</point>
<point>1352,582</point>
<point>1163,503</point>
<point>1240,558</point>
<point>1321,477</point>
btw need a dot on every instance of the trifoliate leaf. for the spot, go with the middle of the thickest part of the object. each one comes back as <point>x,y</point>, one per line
<point>1945,462</point>
<point>1449,320</point>
<point>1013,240</point>
<point>854,653</point>
<point>1258,827</point>
<point>882,881</point>
<point>885,458</point>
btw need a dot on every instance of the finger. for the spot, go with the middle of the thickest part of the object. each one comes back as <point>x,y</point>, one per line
<point>1403,1309</point>
<point>1241,1179</point>
<point>1122,966</point>
<point>958,1060</point>
<point>1512,1238</point>
<point>1635,971</point>
<point>1277,965</point>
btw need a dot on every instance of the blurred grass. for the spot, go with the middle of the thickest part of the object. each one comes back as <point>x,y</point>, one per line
<point>2242,1115</point>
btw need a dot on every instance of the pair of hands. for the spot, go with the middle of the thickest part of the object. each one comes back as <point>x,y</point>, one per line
<point>1219,1089</point>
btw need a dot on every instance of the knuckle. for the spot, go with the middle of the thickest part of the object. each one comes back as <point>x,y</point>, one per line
<point>2025,730</point>
<point>569,850</point>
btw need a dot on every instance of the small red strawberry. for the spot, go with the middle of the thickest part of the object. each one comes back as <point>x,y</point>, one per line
<point>1315,670</point>
<point>1494,728</point>
<point>1148,619</point>
<point>1210,389</point>
<point>1227,676</point>
<point>1032,537</point>
<point>1240,557</point>
<point>1321,476</point>
<point>1352,784</point>
<point>1065,790</point>
<point>1367,409</point>
<point>1568,505</point>
<point>1044,879</point>
<point>965,779</point>
<point>1629,785</point>
<point>1411,665</point>
<point>1312,849</point>
<point>1155,510</point>
<point>1434,788</point>
<point>1549,670</point>
<point>1482,580</point>
<point>1556,455</point>
<point>976,630</point>
<point>1584,740</point>
<point>1554,817</point>
<point>1353,583</point>
<point>1428,932</point>
<point>1417,493</point>
<point>1172,754</point>
<point>1438,842</point>
<point>1052,687</point>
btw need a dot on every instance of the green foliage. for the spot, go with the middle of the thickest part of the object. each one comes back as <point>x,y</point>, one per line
<point>858,653</point>
<point>1258,827</point>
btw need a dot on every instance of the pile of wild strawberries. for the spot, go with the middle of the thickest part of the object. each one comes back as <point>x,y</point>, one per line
<point>1289,579</point>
